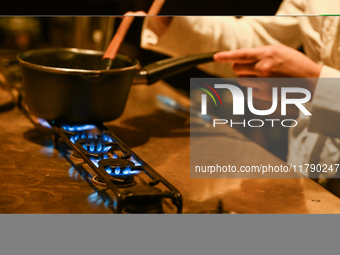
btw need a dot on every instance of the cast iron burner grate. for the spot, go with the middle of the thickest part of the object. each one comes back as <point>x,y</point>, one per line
<point>115,166</point>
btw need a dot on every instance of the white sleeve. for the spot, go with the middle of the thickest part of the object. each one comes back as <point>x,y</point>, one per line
<point>325,112</point>
<point>196,34</point>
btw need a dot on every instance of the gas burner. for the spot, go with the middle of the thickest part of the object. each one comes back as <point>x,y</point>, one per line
<point>118,167</point>
<point>95,147</point>
<point>120,170</point>
<point>115,167</point>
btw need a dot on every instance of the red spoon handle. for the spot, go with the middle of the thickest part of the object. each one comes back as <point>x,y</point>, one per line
<point>117,40</point>
<point>124,26</point>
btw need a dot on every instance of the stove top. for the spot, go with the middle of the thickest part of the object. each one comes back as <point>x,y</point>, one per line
<point>40,173</point>
<point>136,187</point>
<point>120,180</point>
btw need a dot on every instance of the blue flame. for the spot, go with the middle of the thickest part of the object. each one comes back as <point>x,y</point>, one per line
<point>83,175</point>
<point>133,160</point>
<point>95,161</point>
<point>92,147</point>
<point>95,199</point>
<point>43,122</point>
<point>77,128</point>
<point>96,147</point>
<point>118,171</point>
<point>107,138</point>
<point>93,196</point>
<point>99,147</point>
<point>73,173</point>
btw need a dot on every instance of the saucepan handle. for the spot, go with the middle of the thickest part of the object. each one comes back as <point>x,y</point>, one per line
<point>170,66</point>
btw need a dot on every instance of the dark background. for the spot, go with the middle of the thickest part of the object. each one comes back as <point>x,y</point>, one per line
<point>45,9</point>
<point>118,7</point>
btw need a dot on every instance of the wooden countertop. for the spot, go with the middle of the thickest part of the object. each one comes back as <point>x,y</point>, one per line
<point>162,139</point>
<point>35,178</point>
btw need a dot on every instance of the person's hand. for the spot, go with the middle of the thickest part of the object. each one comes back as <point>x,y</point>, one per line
<point>159,24</point>
<point>272,61</point>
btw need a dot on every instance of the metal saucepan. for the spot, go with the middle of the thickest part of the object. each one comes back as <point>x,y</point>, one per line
<point>65,85</point>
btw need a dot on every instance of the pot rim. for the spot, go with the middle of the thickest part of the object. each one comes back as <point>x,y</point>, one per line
<point>134,62</point>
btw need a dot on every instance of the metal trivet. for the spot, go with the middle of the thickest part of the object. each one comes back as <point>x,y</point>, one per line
<point>128,195</point>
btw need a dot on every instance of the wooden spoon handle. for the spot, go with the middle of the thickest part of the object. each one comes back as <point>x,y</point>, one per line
<point>117,40</point>
<point>156,7</point>
<point>124,26</point>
